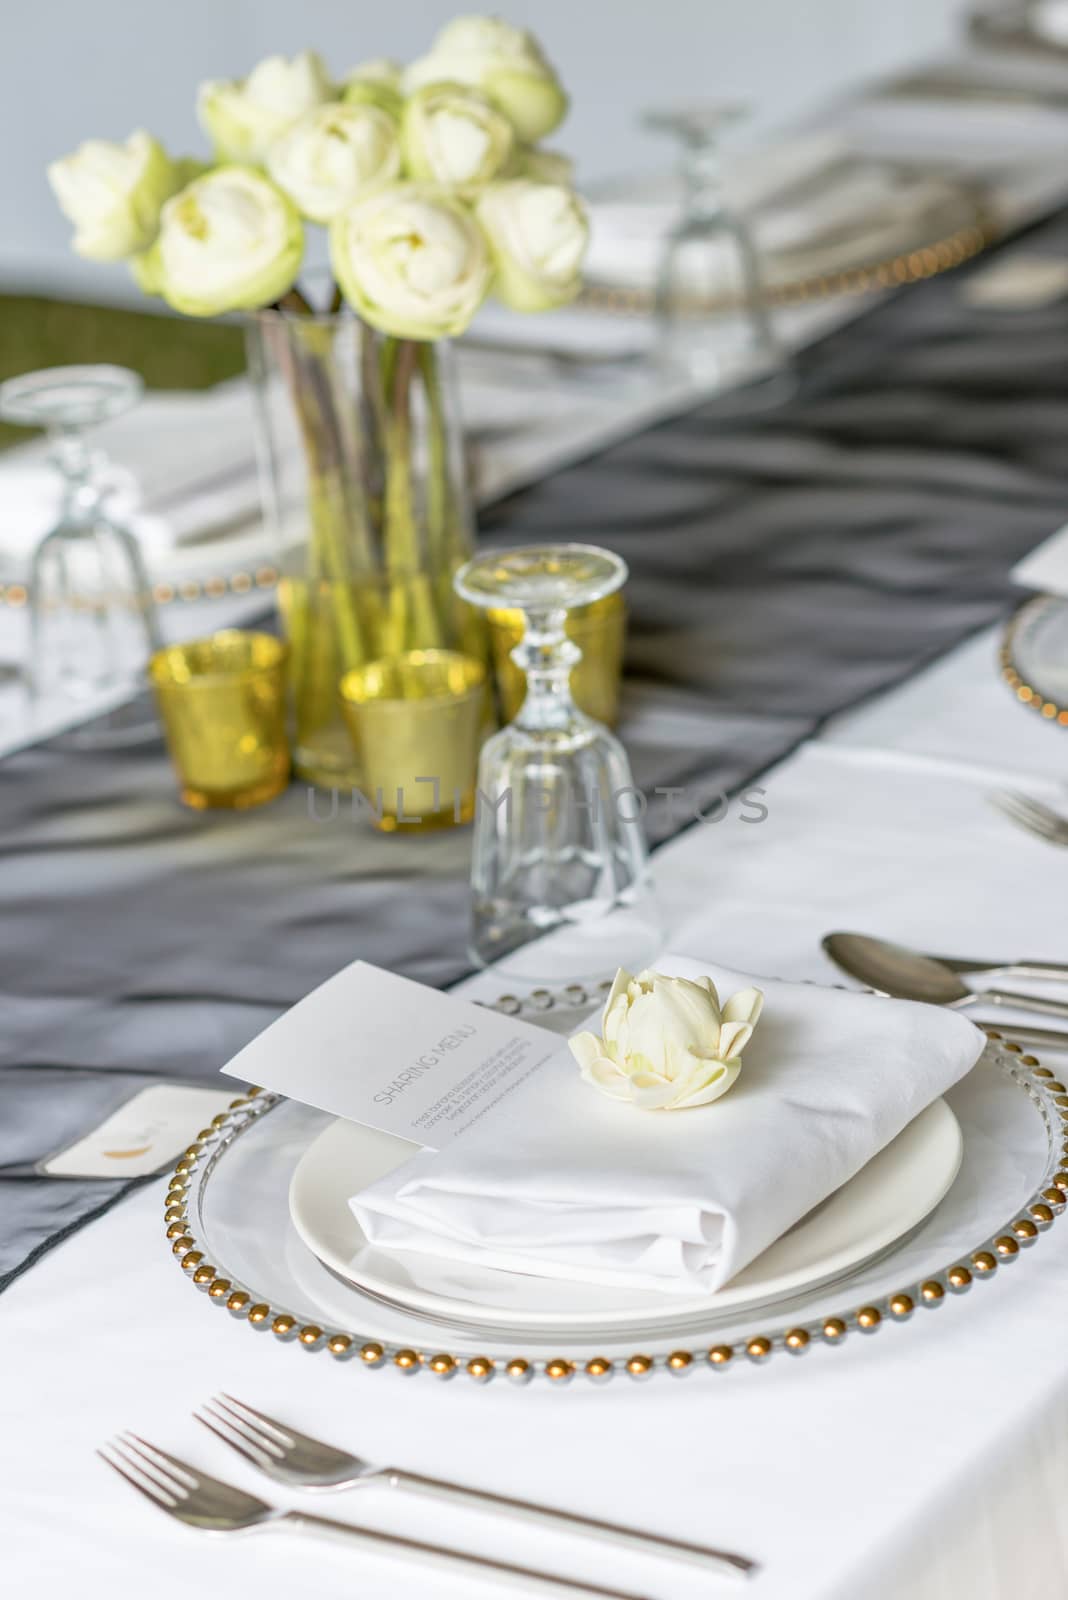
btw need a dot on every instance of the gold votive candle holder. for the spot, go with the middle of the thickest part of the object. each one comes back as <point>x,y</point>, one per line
<point>222,703</point>
<point>417,721</point>
<point>599,630</point>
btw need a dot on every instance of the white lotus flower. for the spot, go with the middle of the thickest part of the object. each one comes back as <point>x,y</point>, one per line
<point>538,233</point>
<point>453,134</point>
<point>114,193</point>
<point>334,154</point>
<point>666,1043</point>
<point>412,261</point>
<point>243,117</point>
<point>231,241</point>
<point>506,62</point>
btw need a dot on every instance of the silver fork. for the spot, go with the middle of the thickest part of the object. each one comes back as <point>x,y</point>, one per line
<point>202,1502</point>
<point>1031,814</point>
<point>296,1460</point>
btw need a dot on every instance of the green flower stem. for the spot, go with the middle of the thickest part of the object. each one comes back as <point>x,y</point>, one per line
<point>334,509</point>
<point>440,511</point>
<point>414,619</point>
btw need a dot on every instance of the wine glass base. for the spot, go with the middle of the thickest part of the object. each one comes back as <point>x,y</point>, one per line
<point>575,952</point>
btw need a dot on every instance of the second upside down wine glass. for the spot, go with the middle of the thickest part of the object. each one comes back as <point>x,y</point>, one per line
<point>714,323</point>
<point>560,880</point>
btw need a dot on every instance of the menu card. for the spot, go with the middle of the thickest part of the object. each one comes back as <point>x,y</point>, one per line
<point>394,1055</point>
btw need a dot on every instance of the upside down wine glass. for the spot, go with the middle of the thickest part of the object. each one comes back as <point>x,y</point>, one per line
<point>560,880</point>
<point>713,321</point>
<point>93,622</point>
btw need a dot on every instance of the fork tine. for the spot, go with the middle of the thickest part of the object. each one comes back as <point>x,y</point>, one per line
<point>1040,811</point>
<point>250,1430</point>
<point>1019,810</point>
<point>1044,827</point>
<point>181,1468</point>
<point>147,1486</point>
<point>1027,806</point>
<point>211,1421</point>
<point>185,1478</point>
<point>1007,798</point>
<point>230,1401</point>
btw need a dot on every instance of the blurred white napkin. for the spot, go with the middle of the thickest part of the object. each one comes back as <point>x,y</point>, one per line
<point>954,132</point>
<point>844,205</point>
<point>1046,568</point>
<point>560,1181</point>
<point>1049,19</point>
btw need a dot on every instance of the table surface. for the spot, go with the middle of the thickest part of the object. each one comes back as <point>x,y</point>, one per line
<point>926,1461</point>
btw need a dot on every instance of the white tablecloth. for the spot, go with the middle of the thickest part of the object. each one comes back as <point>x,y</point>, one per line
<point>927,1462</point>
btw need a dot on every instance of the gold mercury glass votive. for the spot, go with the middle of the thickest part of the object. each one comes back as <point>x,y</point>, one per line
<point>598,630</point>
<point>222,704</point>
<point>417,721</point>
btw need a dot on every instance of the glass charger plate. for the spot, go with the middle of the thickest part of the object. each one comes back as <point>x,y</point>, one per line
<point>1034,657</point>
<point>228,1225</point>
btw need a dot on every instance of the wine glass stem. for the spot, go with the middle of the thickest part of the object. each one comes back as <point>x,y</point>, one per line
<point>71,456</point>
<point>546,656</point>
<point>702,178</point>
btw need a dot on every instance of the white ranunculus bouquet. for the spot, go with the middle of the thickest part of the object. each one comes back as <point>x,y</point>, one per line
<point>429,177</point>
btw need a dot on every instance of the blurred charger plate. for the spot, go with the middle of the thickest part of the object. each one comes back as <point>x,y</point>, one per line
<point>1034,657</point>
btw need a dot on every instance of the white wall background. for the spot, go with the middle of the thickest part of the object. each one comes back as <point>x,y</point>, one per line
<point>70,69</point>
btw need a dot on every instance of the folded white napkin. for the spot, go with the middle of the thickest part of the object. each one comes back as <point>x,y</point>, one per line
<point>560,1181</point>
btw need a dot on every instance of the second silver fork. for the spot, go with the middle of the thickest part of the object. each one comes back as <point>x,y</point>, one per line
<point>1034,815</point>
<point>294,1459</point>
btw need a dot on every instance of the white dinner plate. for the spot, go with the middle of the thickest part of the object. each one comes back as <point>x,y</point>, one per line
<point>884,1202</point>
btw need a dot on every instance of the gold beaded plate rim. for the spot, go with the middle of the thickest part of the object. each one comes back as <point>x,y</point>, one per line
<point>1047,1093</point>
<point>1026,692</point>
<point>925,260</point>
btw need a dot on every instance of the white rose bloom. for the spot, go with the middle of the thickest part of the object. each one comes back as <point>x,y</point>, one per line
<point>412,261</point>
<point>455,135</point>
<point>666,1043</point>
<point>231,241</point>
<point>333,155</point>
<point>505,62</point>
<point>375,83</point>
<point>543,166</point>
<point>537,235</point>
<point>380,70</point>
<point>242,118</point>
<point>114,193</point>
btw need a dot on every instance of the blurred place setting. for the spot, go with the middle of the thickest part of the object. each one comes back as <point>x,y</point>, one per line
<point>534,796</point>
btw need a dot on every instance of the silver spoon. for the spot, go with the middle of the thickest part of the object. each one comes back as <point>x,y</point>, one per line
<point>907,975</point>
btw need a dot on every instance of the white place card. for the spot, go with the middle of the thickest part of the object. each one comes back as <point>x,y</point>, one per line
<point>147,1132</point>
<point>1046,568</point>
<point>395,1055</point>
<point>1020,283</point>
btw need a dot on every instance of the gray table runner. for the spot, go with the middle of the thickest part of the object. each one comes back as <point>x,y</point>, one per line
<point>784,566</point>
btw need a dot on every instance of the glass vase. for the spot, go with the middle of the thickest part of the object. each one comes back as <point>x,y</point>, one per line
<point>363,481</point>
